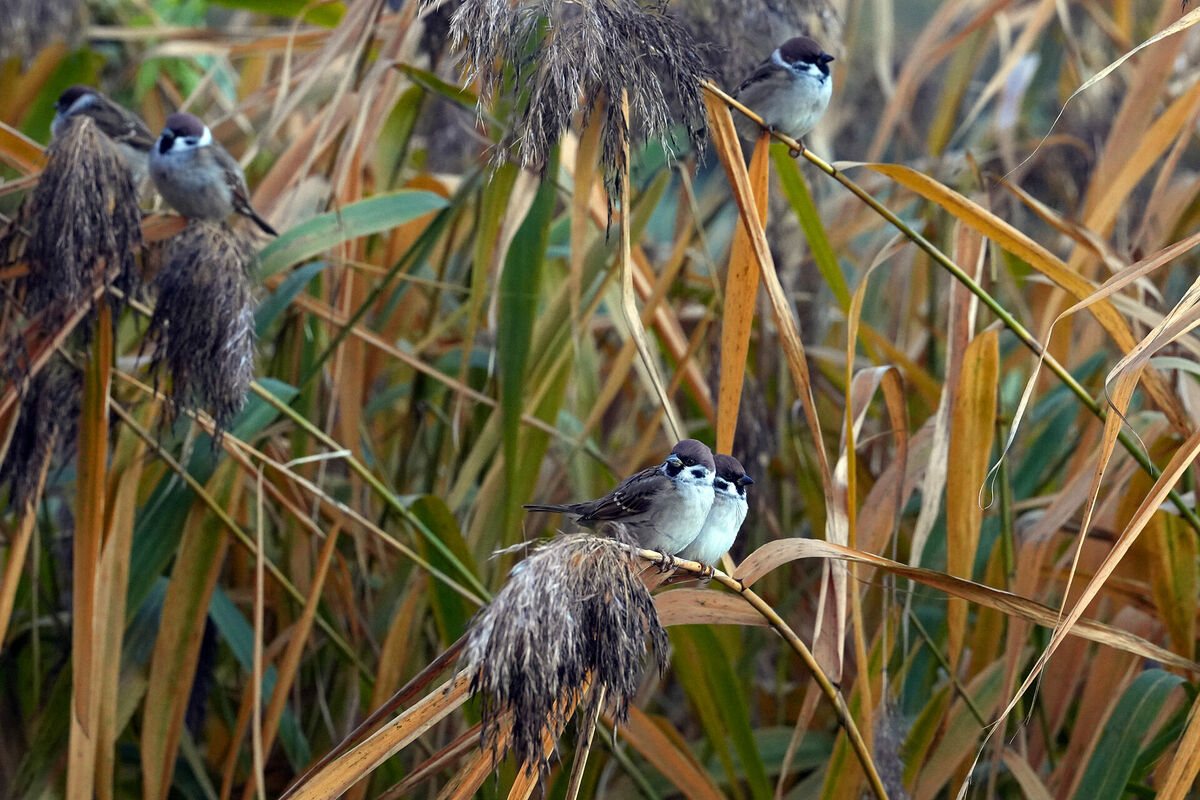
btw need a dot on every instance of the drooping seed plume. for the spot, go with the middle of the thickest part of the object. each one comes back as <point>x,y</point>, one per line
<point>47,423</point>
<point>557,59</point>
<point>203,324</point>
<point>573,622</point>
<point>85,226</point>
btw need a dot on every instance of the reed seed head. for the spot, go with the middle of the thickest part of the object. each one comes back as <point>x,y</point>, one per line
<point>573,618</point>
<point>203,325</point>
<point>555,59</point>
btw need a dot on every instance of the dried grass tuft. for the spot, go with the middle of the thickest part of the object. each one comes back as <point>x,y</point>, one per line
<point>573,615</point>
<point>203,324</point>
<point>557,59</point>
<point>47,424</point>
<point>890,735</point>
<point>30,25</point>
<point>85,223</point>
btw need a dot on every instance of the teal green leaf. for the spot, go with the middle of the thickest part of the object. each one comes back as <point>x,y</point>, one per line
<point>160,522</point>
<point>270,309</point>
<point>464,97</point>
<point>326,14</point>
<point>315,236</point>
<point>707,674</point>
<point>238,633</point>
<point>451,610</point>
<point>796,191</point>
<point>1109,771</point>
<point>519,289</point>
<point>396,134</point>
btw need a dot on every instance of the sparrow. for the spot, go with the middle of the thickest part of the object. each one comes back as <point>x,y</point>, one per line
<point>790,90</point>
<point>197,176</point>
<point>662,507</point>
<point>124,128</point>
<point>726,516</point>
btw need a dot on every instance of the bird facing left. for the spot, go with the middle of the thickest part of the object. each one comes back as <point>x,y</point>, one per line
<point>122,127</point>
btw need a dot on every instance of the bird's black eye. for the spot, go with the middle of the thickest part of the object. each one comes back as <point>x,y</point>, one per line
<point>688,461</point>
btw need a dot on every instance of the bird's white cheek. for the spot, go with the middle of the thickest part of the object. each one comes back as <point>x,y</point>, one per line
<point>815,72</point>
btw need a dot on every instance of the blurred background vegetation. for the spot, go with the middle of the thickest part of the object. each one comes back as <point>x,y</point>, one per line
<point>441,338</point>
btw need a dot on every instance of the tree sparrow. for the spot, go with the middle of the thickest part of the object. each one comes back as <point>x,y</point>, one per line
<point>197,176</point>
<point>790,90</point>
<point>124,128</point>
<point>726,516</point>
<point>663,507</point>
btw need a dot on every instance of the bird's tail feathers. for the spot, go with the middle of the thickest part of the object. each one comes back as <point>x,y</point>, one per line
<point>262,223</point>
<point>554,509</point>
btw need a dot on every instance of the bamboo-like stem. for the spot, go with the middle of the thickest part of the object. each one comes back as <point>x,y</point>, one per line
<point>90,515</point>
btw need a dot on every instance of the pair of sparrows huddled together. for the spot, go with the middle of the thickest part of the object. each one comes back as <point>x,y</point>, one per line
<point>190,169</point>
<point>691,505</point>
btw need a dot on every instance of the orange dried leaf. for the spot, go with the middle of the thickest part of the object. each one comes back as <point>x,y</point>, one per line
<point>741,288</point>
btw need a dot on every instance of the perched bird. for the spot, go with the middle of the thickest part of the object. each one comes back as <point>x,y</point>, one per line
<point>790,90</point>
<point>197,176</point>
<point>662,507</point>
<point>726,516</point>
<point>126,130</point>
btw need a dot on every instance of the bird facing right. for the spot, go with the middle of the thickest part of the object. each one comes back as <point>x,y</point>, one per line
<point>662,507</point>
<point>790,90</point>
<point>726,516</point>
<point>197,176</point>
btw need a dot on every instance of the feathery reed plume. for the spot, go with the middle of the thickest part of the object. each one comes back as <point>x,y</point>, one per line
<point>203,324</point>
<point>572,618</point>
<point>890,734</point>
<point>31,25</point>
<point>46,426</point>
<point>556,59</point>
<point>85,223</point>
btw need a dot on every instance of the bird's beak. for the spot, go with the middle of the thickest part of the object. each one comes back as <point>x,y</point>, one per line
<point>674,460</point>
<point>746,480</point>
